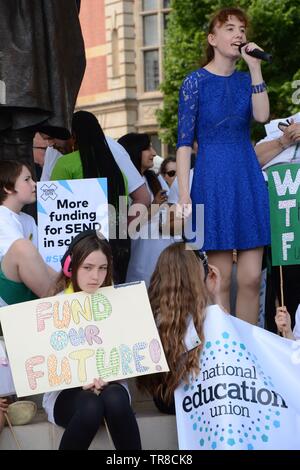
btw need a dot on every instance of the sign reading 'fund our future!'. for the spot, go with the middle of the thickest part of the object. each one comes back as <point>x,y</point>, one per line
<point>68,340</point>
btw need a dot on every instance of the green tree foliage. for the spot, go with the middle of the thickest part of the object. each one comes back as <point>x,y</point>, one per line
<point>275,26</point>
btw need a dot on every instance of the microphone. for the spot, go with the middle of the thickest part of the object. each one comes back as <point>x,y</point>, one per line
<point>257,53</point>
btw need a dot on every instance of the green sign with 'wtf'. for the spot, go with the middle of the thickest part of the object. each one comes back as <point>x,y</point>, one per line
<point>284,194</point>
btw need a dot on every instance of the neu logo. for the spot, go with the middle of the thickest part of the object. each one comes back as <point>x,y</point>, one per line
<point>252,409</point>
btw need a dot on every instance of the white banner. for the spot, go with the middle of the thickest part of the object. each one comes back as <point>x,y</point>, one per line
<point>66,208</point>
<point>68,340</point>
<point>247,393</point>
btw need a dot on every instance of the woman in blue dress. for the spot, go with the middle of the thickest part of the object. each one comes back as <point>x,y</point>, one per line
<point>216,106</point>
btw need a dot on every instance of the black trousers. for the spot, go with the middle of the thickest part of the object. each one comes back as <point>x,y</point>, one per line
<point>81,412</point>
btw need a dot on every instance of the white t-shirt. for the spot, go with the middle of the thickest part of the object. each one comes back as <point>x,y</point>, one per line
<point>146,249</point>
<point>51,157</point>
<point>15,226</point>
<point>296,330</point>
<point>173,196</point>
<point>163,182</point>
<point>120,155</point>
<point>125,164</point>
<point>157,161</point>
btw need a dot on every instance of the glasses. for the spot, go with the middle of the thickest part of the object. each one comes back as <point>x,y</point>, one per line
<point>40,148</point>
<point>170,173</point>
<point>203,257</point>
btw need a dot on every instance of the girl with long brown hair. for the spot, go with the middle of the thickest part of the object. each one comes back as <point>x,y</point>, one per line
<point>181,288</point>
<point>87,266</point>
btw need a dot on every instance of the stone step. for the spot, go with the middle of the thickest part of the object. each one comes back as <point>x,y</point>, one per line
<point>158,431</point>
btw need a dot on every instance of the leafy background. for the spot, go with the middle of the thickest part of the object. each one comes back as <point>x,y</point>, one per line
<point>275,26</point>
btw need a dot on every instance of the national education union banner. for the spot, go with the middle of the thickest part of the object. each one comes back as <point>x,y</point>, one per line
<point>246,395</point>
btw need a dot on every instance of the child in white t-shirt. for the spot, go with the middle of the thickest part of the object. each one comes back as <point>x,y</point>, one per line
<point>14,194</point>
<point>23,273</point>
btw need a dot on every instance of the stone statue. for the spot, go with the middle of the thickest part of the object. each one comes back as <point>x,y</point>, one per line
<point>42,62</point>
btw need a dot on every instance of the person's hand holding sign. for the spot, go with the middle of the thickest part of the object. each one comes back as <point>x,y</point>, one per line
<point>97,386</point>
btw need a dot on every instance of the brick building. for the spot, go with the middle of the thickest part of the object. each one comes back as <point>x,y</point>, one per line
<point>124,46</point>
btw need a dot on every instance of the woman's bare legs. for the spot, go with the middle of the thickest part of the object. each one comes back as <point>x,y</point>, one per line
<point>249,265</point>
<point>223,261</point>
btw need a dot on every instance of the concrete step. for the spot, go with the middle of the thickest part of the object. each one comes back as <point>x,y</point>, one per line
<point>158,431</point>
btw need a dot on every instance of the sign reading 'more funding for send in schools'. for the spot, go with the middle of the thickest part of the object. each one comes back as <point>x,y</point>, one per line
<point>68,340</point>
<point>284,195</point>
<point>246,395</point>
<point>66,208</point>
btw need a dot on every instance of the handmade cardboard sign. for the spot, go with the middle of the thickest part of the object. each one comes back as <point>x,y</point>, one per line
<point>68,340</point>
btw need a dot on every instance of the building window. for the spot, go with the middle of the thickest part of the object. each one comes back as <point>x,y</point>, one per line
<point>154,21</point>
<point>171,151</point>
<point>150,30</point>
<point>151,70</point>
<point>115,53</point>
<point>150,4</point>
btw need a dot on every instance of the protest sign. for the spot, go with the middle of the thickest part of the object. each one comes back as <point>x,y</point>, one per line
<point>272,129</point>
<point>246,395</point>
<point>68,340</point>
<point>284,195</point>
<point>66,208</point>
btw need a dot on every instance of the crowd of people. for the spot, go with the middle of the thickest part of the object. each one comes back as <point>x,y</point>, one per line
<point>182,283</point>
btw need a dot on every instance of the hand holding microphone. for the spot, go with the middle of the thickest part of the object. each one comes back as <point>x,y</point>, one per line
<point>255,52</point>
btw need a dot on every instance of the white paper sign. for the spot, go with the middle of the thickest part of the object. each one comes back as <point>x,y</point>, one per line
<point>272,129</point>
<point>66,208</point>
<point>68,340</point>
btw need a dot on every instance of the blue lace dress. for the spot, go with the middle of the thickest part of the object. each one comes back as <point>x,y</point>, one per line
<point>216,111</point>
